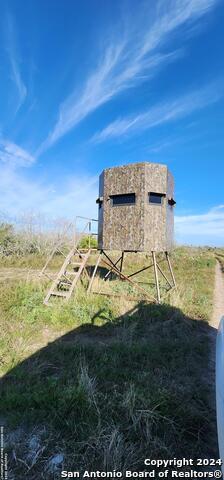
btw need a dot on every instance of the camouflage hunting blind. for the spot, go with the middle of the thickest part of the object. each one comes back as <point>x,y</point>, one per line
<point>136,208</point>
<point>135,215</point>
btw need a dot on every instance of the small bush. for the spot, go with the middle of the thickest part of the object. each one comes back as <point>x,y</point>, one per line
<point>88,241</point>
<point>7,238</point>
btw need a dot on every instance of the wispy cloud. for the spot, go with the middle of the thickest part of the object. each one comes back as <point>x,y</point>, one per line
<point>14,156</point>
<point>21,191</point>
<point>20,194</point>
<point>166,144</point>
<point>207,228</point>
<point>162,113</point>
<point>128,60</point>
<point>14,61</point>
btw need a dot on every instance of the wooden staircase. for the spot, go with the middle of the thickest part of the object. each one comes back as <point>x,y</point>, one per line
<point>69,274</point>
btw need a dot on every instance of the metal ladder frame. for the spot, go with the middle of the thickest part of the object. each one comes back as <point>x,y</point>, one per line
<point>62,273</point>
<point>74,251</point>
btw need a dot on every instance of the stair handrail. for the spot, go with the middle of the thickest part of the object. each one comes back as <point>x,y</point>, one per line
<point>59,243</point>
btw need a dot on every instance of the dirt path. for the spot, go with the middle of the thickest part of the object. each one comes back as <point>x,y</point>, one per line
<point>19,273</point>
<point>218,312</point>
<point>218,309</point>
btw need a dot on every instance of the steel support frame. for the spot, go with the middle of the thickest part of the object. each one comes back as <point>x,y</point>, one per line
<point>120,259</point>
<point>114,268</point>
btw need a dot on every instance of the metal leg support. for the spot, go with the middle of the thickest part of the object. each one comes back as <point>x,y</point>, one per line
<point>170,268</point>
<point>94,273</point>
<point>156,276</point>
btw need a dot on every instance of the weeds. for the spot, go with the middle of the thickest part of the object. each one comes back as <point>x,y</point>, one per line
<point>87,384</point>
<point>108,384</point>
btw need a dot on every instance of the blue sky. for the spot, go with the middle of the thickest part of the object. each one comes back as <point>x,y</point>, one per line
<point>86,85</point>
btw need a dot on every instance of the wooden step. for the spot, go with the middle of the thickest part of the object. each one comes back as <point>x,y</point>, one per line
<point>71,273</point>
<point>59,294</point>
<point>64,274</point>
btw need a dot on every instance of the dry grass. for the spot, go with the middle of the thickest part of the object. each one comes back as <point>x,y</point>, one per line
<point>118,381</point>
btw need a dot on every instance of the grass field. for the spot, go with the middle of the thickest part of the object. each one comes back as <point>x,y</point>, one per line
<point>102,382</point>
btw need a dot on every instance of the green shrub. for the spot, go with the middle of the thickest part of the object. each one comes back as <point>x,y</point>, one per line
<point>88,241</point>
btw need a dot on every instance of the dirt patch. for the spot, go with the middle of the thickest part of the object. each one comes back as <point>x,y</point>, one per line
<point>210,378</point>
<point>218,310</point>
<point>13,273</point>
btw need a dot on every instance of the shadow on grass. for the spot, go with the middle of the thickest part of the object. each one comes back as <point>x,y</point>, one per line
<point>107,397</point>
